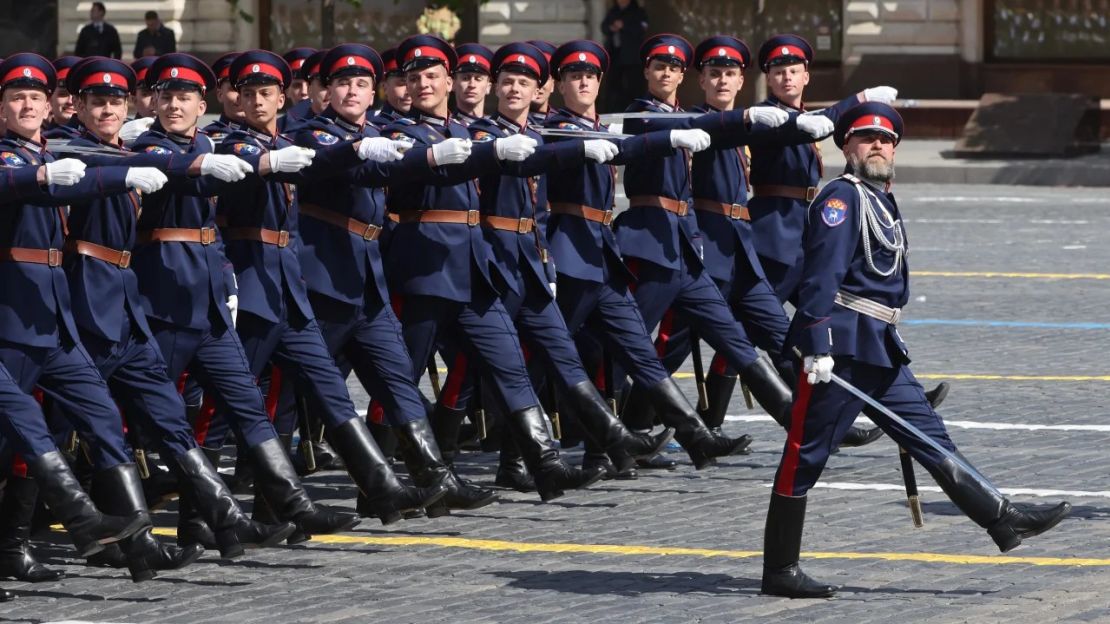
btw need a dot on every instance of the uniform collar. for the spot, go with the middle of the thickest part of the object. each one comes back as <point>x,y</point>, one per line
<point>23,141</point>
<point>663,106</point>
<point>389,111</point>
<point>92,136</point>
<point>261,135</point>
<point>774,101</point>
<point>180,139</point>
<point>334,117</point>
<point>432,120</point>
<point>507,124</point>
<point>595,123</point>
<point>228,122</point>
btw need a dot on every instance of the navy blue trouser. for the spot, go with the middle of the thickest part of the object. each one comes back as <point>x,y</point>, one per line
<point>22,426</point>
<point>784,278</point>
<point>68,377</point>
<point>215,360</point>
<point>823,413</point>
<point>368,340</point>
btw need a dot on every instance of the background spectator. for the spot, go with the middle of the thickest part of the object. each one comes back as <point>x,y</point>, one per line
<point>155,39</point>
<point>98,38</point>
<point>624,29</point>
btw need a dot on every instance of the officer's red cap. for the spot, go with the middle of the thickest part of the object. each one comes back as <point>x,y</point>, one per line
<point>784,50</point>
<point>260,67</point>
<point>389,63</point>
<point>296,57</point>
<point>474,58</point>
<point>222,66</point>
<point>868,117</point>
<point>522,58</point>
<point>140,66</point>
<point>671,49</point>
<point>27,69</point>
<point>350,59</point>
<point>311,66</point>
<point>178,70</point>
<point>420,51</point>
<point>723,51</point>
<point>63,64</point>
<point>546,47</point>
<point>580,55</point>
<point>101,76</point>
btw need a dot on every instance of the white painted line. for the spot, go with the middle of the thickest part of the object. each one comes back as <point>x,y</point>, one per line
<point>899,487</point>
<point>963,424</point>
<point>1000,199</point>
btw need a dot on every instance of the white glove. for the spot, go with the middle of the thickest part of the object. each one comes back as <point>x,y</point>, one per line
<point>134,128</point>
<point>816,126</point>
<point>694,140</point>
<point>600,150</point>
<point>381,149</point>
<point>552,285</point>
<point>451,151</point>
<point>233,307</point>
<point>770,116</point>
<point>145,179</point>
<point>886,95</point>
<point>65,172</point>
<point>515,148</point>
<point>818,368</point>
<point>225,167</point>
<point>291,159</point>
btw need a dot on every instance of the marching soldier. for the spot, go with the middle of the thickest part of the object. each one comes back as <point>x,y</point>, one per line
<point>540,107</point>
<point>316,94</point>
<point>297,91</point>
<point>63,123</point>
<point>231,113</point>
<point>852,287</point>
<point>142,100</point>
<point>342,263</point>
<point>441,265</point>
<point>471,82</point>
<point>275,322</point>
<point>395,92</point>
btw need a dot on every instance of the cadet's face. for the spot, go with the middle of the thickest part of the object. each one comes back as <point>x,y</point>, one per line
<point>543,93</point>
<point>103,114</point>
<point>62,105</point>
<point>663,78</point>
<point>515,92</point>
<point>350,96</point>
<point>471,89</point>
<point>787,82</point>
<point>143,101</point>
<point>318,93</point>
<point>179,110</point>
<point>579,89</point>
<point>229,101</point>
<point>397,93</point>
<point>261,103</point>
<point>428,87</point>
<point>721,84</point>
<point>871,155</point>
<point>24,110</point>
<point>297,91</point>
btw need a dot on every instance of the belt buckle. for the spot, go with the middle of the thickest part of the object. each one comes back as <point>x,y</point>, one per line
<point>523,225</point>
<point>895,316</point>
<point>207,235</point>
<point>683,209</point>
<point>124,259</point>
<point>283,238</point>
<point>54,257</point>
<point>735,211</point>
<point>371,232</point>
<point>472,218</point>
<point>607,218</point>
<point>811,193</point>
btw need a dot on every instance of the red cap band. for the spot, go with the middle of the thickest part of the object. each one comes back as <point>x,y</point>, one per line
<point>872,122</point>
<point>391,65</point>
<point>296,64</point>
<point>667,50</point>
<point>521,59</point>
<point>105,79</point>
<point>581,57</point>
<point>475,59</point>
<point>785,50</point>
<point>426,52</point>
<point>261,68</point>
<point>723,52</point>
<point>352,61</point>
<point>181,73</point>
<point>26,71</point>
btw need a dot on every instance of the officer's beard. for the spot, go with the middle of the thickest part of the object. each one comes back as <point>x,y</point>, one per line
<point>873,168</point>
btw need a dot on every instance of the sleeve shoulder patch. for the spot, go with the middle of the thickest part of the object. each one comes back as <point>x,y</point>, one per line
<point>11,159</point>
<point>834,211</point>
<point>246,149</point>
<point>324,138</point>
<point>482,136</point>
<point>566,125</point>
<point>156,149</point>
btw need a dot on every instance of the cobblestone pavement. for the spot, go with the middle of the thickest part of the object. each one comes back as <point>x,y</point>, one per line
<point>615,552</point>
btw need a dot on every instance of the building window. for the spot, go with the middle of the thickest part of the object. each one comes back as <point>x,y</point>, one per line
<point>380,24</point>
<point>1038,31</point>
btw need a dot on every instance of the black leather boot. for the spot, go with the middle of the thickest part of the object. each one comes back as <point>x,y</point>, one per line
<point>621,445</point>
<point>279,490</point>
<point>386,497</point>
<point>426,465</point>
<point>446,423</point>
<point>718,391</point>
<point>89,529</point>
<point>937,395</point>
<point>858,436</point>
<point>769,390</point>
<point>700,444</point>
<point>551,473</point>
<point>119,490</point>
<point>1007,524</point>
<point>16,559</point>
<point>782,547</point>
<point>231,529</point>
<point>511,472</point>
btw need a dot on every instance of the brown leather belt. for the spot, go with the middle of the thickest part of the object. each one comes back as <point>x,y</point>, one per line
<point>508,224</point>
<point>262,235</point>
<point>366,231</point>
<point>732,211</point>
<point>204,236</point>
<point>49,257</point>
<point>121,259</point>
<point>604,217</point>
<point>806,193</point>
<point>467,217</point>
<point>678,207</point>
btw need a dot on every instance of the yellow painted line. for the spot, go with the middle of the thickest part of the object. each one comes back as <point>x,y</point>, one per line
<point>980,377</point>
<point>1006,274</point>
<point>676,551</point>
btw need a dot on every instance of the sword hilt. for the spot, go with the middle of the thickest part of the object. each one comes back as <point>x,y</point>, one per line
<point>140,463</point>
<point>915,511</point>
<point>747,394</point>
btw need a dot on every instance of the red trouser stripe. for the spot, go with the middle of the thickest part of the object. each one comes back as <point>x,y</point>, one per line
<point>599,377</point>
<point>449,397</point>
<point>19,466</point>
<point>398,303</point>
<point>204,419</point>
<point>181,382</point>
<point>275,391</point>
<point>719,365</point>
<point>789,467</point>
<point>375,413</point>
<point>666,326</point>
